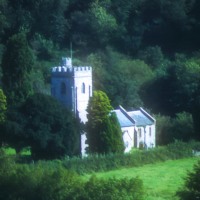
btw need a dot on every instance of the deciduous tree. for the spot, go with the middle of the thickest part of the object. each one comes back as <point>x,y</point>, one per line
<point>43,124</point>
<point>51,129</point>
<point>17,62</point>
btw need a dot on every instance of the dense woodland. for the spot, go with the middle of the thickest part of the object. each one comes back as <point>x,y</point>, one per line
<point>143,53</point>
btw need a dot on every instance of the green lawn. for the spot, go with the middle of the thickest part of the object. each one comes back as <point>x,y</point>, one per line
<point>161,180</point>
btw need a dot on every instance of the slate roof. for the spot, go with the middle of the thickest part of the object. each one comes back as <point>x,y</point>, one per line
<point>140,118</point>
<point>123,120</point>
<point>133,118</point>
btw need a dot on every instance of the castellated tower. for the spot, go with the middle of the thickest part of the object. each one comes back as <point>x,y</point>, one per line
<point>72,86</point>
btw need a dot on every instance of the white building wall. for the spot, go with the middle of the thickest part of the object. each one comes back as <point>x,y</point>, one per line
<point>82,78</point>
<point>145,137</point>
<point>150,136</point>
<point>128,138</point>
<point>83,144</point>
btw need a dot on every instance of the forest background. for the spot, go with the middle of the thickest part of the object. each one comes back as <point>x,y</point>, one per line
<point>143,53</point>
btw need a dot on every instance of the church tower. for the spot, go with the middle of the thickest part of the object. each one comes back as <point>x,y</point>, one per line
<point>72,86</point>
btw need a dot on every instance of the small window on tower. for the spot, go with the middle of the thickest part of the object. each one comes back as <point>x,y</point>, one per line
<point>83,88</point>
<point>63,88</point>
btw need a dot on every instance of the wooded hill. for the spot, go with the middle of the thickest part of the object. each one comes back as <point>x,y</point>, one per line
<point>143,53</point>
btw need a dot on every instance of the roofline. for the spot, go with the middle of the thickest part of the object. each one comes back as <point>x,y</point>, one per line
<point>126,114</point>
<point>147,114</point>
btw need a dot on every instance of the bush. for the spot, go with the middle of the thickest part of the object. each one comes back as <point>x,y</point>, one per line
<point>191,189</point>
<point>39,181</point>
<point>113,189</point>
<point>177,128</point>
<point>51,181</point>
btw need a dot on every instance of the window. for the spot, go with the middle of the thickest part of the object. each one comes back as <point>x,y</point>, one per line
<point>140,132</point>
<point>89,91</point>
<point>83,88</point>
<point>149,131</point>
<point>63,88</point>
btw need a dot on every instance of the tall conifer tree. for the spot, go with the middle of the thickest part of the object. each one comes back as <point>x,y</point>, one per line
<point>103,131</point>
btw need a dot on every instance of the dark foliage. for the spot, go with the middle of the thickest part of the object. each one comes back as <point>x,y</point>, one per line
<point>17,63</point>
<point>43,124</point>
<point>160,39</point>
<point>49,180</point>
<point>191,189</point>
<point>169,129</point>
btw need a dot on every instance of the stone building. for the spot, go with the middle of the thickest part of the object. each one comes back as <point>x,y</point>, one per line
<point>138,128</point>
<point>72,86</point>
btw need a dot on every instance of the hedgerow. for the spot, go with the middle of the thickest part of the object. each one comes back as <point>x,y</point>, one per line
<point>51,181</point>
<point>95,163</point>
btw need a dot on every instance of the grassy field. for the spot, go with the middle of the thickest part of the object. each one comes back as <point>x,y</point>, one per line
<point>161,180</point>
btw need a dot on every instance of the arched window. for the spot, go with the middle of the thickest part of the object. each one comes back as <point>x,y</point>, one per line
<point>63,88</point>
<point>83,88</point>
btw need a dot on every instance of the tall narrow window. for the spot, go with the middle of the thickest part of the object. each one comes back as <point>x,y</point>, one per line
<point>83,88</point>
<point>140,132</point>
<point>63,88</point>
<point>149,131</point>
<point>89,91</point>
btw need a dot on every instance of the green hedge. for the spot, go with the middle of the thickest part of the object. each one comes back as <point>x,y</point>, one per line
<point>51,181</point>
<point>95,163</point>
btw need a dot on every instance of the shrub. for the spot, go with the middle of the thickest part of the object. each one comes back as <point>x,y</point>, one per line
<point>113,189</point>
<point>42,181</point>
<point>178,128</point>
<point>51,181</point>
<point>191,189</point>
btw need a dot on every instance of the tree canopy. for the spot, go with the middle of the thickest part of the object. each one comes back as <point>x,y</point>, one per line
<point>42,124</point>
<point>17,63</point>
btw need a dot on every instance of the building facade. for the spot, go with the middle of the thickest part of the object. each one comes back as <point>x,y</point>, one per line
<point>138,128</point>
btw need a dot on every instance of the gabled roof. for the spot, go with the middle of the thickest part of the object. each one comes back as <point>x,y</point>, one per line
<point>133,118</point>
<point>123,120</point>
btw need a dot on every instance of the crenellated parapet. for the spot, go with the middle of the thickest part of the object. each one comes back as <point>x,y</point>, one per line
<point>71,71</point>
<point>82,68</point>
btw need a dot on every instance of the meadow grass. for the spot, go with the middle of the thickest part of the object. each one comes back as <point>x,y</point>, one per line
<point>161,180</point>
